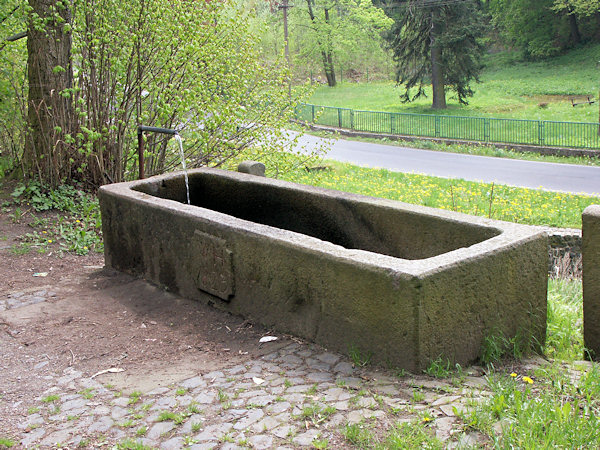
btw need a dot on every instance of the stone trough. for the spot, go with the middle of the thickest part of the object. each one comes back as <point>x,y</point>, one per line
<point>401,283</point>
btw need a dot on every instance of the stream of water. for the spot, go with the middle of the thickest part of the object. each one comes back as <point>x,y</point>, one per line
<point>187,184</point>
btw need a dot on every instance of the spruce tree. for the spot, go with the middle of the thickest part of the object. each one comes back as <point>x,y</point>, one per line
<point>437,42</point>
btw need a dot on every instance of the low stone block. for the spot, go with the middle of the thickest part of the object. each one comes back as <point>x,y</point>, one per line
<point>591,279</point>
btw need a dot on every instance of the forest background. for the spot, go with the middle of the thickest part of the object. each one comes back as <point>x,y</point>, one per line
<point>89,72</point>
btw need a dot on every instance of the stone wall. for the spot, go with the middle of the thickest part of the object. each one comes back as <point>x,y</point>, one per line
<point>564,252</point>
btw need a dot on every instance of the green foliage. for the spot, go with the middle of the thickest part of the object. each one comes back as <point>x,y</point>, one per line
<point>78,230</point>
<point>352,35</point>
<point>581,8</point>
<point>172,64</point>
<point>531,25</point>
<point>178,65</point>
<point>544,28</point>
<point>13,76</point>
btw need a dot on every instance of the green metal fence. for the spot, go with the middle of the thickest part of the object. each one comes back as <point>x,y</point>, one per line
<point>507,131</point>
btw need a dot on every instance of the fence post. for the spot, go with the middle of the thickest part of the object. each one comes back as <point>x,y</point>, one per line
<point>541,132</point>
<point>391,123</point>
<point>313,113</point>
<point>437,126</point>
<point>486,130</point>
<point>352,119</point>
<point>339,117</point>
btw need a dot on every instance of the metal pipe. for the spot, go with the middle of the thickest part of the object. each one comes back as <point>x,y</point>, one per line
<point>140,131</point>
<point>143,128</point>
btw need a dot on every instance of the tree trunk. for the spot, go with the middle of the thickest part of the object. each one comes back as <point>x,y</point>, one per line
<point>48,154</point>
<point>437,71</point>
<point>329,69</point>
<point>574,35</point>
<point>328,57</point>
<point>325,49</point>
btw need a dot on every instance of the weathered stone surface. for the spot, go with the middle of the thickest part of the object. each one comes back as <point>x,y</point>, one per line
<point>102,425</point>
<point>159,429</point>
<point>261,441</point>
<point>252,167</point>
<point>253,416</point>
<point>306,438</point>
<point>591,279</point>
<point>192,383</point>
<point>32,437</point>
<point>402,283</point>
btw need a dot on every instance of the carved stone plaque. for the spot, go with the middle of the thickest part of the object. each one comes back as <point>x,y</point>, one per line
<point>213,265</point>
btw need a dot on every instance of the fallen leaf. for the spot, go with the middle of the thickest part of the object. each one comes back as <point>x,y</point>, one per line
<point>258,380</point>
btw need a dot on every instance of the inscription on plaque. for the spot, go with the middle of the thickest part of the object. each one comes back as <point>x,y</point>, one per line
<point>214,264</point>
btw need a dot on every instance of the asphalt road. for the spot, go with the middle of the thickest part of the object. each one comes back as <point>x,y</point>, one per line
<point>513,172</point>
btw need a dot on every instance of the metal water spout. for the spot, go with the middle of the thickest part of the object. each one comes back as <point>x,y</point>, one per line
<point>145,129</point>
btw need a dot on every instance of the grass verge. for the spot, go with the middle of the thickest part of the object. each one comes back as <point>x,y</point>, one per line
<point>512,204</point>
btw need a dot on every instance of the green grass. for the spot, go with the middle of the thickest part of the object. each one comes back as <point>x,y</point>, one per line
<point>6,443</point>
<point>411,435</point>
<point>544,409</point>
<point>51,399</point>
<point>508,89</point>
<point>564,340</point>
<point>512,204</point>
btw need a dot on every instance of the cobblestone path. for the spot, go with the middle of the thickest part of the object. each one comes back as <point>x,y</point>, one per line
<point>297,396</point>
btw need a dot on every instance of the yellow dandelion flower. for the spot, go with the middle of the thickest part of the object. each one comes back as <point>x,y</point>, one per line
<point>527,380</point>
<point>49,241</point>
<point>427,419</point>
<point>514,375</point>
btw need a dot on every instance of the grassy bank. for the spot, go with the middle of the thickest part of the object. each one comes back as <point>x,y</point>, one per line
<point>508,89</point>
<point>512,204</point>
